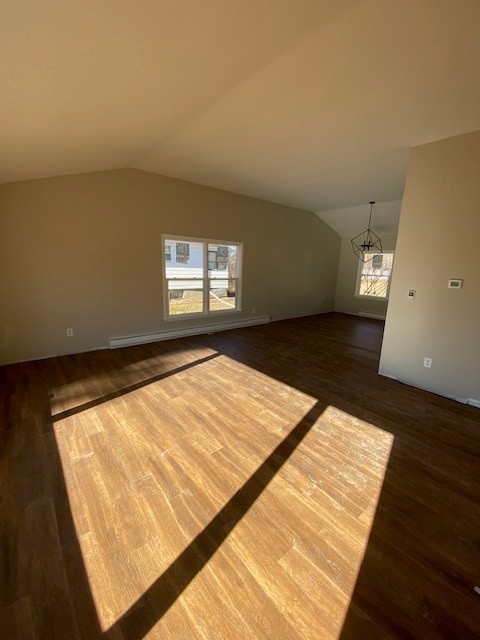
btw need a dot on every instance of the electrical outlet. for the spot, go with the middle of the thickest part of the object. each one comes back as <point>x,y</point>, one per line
<point>411,294</point>
<point>253,310</point>
<point>427,362</point>
<point>69,333</point>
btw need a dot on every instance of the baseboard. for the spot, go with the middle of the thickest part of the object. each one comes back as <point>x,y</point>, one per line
<point>387,375</point>
<point>52,355</point>
<point>127,341</point>
<point>470,401</point>
<point>375,316</point>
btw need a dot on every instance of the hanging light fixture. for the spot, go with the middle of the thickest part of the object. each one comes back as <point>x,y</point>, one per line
<point>367,241</point>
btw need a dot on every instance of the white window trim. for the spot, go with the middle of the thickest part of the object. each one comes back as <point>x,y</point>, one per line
<point>206,312</point>
<point>359,275</point>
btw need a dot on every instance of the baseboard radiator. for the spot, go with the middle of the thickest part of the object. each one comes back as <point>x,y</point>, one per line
<point>127,341</point>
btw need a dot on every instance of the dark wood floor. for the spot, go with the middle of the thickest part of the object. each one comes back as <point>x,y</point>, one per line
<point>261,483</point>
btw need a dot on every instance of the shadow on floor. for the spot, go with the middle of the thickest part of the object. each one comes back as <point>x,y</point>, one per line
<point>421,562</point>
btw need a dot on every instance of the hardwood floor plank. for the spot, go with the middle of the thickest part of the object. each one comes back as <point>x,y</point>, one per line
<point>41,572</point>
<point>17,620</point>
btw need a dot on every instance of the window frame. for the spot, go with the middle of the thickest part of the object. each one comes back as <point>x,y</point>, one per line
<point>206,279</point>
<point>361,264</point>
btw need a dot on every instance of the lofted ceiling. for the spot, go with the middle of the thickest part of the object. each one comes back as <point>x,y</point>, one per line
<point>309,103</point>
<point>350,221</point>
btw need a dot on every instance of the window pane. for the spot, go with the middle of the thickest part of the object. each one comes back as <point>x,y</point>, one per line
<point>378,264</point>
<point>376,286</point>
<point>185,296</point>
<point>186,259</point>
<point>222,295</point>
<point>182,251</point>
<point>226,260</point>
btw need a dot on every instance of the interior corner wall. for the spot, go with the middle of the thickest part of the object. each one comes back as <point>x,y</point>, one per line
<point>84,251</point>
<point>438,240</point>
<point>345,299</point>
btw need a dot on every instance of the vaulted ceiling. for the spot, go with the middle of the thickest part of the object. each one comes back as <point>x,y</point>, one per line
<point>310,103</point>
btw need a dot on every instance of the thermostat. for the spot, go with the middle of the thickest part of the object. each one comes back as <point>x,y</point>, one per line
<point>455,284</point>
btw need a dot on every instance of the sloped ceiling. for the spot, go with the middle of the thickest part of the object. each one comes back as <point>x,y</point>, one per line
<point>310,103</point>
<point>350,221</point>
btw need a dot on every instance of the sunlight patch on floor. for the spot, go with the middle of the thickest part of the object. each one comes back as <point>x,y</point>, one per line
<point>147,472</point>
<point>97,388</point>
<point>358,474</point>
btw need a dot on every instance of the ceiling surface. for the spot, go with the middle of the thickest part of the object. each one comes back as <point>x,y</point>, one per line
<point>309,103</point>
<point>350,221</point>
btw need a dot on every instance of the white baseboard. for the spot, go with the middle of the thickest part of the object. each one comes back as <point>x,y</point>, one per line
<point>52,355</point>
<point>471,401</point>
<point>375,316</point>
<point>127,341</point>
<point>387,375</point>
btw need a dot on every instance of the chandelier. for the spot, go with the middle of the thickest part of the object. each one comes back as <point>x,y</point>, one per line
<point>367,241</point>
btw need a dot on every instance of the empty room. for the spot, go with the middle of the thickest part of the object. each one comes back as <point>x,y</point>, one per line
<point>240,320</point>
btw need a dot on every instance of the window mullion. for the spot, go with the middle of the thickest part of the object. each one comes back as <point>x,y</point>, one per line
<point>205,278</point>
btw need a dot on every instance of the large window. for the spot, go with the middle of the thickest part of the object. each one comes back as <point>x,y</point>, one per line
<point>374,276</point>
<point>201,277</point>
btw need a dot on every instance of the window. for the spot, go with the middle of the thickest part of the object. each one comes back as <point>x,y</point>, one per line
<point>205,278</point>
<point>374,276</point>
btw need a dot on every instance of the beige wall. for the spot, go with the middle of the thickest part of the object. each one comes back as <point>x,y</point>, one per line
<point>345,299</point>
<point>84,251</point>
<point>437,240</point>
